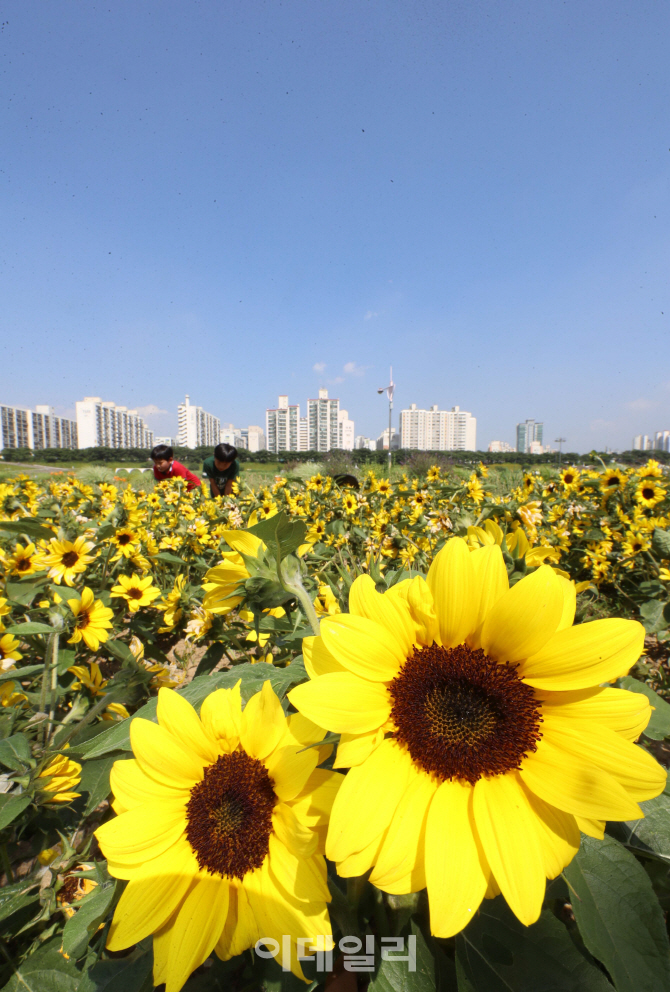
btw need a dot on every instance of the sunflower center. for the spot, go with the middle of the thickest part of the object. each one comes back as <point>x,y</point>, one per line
<point>648,493</point>
<point>462,715</point>
<point>70,558</point>
<point>229,816</point>
<point>135,593</point>
<point>613,481</point>
<point>123,539</point>
<point>23,564</point>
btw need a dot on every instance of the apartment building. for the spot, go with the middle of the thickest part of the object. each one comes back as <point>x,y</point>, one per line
<point>324,427</point>
<point>196,428</point>
<point>106,425</point>
<point>438,430</point>
<point>529,433</point>
<point>36,429</point>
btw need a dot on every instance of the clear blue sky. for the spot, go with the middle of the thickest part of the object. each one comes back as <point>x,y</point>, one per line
<point>236,199</point>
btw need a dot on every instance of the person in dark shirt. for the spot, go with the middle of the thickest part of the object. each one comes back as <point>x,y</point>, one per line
<point>167,467</point>
<point>221,469</point>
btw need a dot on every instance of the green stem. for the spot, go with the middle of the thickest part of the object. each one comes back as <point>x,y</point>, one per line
<point>108,698</point>
<point>54,687</point>
<point>289,573</point>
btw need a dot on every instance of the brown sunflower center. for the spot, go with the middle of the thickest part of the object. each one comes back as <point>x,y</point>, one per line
<point>23,564</point>
<point>229,815</point>
<point>613,481</point>
<point>123,539</point>
<point>135,593</point>
<point>70,558</point>
<point>648,492</point>
<point>461,715</point>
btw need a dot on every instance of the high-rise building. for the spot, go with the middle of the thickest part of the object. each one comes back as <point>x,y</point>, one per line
<point>438,430</point>
<point>642,442</point>
<point>282,426</point>
<point>361,441</point>
<point>345,438</point>
<point>323,422</point>
<point>37,429</point>
<point>254,438</point>
<point>229,434</point>
<point>527,433</point>
<point>662,441</point>
<point>171,442</point>
<point>106,425</point>
<point>196,428</point>
<point>382,443</point>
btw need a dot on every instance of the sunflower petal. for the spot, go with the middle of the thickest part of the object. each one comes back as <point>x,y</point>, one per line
<point>343,702</point>
<point>524,618</point>
<point>363,646</point>
<point>197,929</point>
<point>162,757</point>
<point>491,583</point>
<point>456,869</point>
<point>179,718</point>
<point>402,852</point>
<point>585,655</point>
<point>263,723</point>
<point>389,612</point>
<point>627,713</point>
<point>451,580</point>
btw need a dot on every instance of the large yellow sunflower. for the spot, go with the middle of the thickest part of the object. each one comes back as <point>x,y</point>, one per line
<point>9,652</point>
<point>222,580</point>
<point>24,561</point>
<point>220,831</point>
<point>648,493</point>
<point>479,738</point>
<point>92,620</point>
<point>66,559</point>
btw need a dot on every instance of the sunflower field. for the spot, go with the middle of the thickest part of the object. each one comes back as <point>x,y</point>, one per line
<point>407,734</point>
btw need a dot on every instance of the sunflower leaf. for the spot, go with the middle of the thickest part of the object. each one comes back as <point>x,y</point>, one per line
<point>619,917</point>
<point>660,543</point>
<point>95,781</point>
<point>650,835</point>
<point>15,752</point>
<point>394,975</point>
<point>46,970</point>
<point>497,953</point>
<point>27,526</point>
<point>26,629</point>
<point>12,806</point>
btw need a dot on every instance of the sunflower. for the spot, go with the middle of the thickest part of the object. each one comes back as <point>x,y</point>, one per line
<point>433,473</point>
<point>127,542</point>
<point>648,493</point>
<point>9,652</point>
<point>66,559</point>
<point>62,777</point>
<point>222,581</point>
<point>479,738</point>
<point>475,489</point>
<point>652,470</point>
<point>570,476</point>
<point>136,591</point>
<point>92,620</point>
<point>4,610</point>
<point>172,605</point>
<point>220,830</point>
<point>635,543</point>
<point>24,561</point>
<point>611,480</point>
<point>384,487</point>
<point>89,677</point>
<point>349,504</point>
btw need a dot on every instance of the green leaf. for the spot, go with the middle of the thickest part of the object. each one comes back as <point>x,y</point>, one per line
<point>46,970</point>
<point>92,910</point>
<point>167,556</point>
<point>281,535</point>
<point>129,974</point>
<point>15,752</point>
<point>117,738</point>
<point>25,629</point>
<point>11,807</point>
<point>29,526</point>
<point>65,592</point>
<point>18,674</point>
<point>660,543</point>
<point>651,613</point>
<point>66,659</point>
<point>119,650</point>
<point>659,724</point>
<point>619,917</point>
<point>210,659</point>
<point>395,976</point>
<point>24,592</point>
<point>497,953</point>
<point>652,834</point>
<point>95,781</point>
<point>16,896</point>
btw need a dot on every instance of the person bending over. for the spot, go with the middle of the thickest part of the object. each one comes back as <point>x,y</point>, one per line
<point>167,467</point>
<point>221,469</point>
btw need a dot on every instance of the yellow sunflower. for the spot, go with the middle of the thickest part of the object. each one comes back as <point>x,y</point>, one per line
<point>4,610</point>
<point>611,480</point>
<point>635,543</point>
<point>479,737</point>
<point>9,652</point>
<point>648,493</point>
<point>136,591</point>
<point>66,559</point>
<point>220,831</point>
<point>92,620</point>
<point>127,542</point>
<point>222,580</point>
<point>61,779</point>
<point>570,476</point>
<point>24,561</point>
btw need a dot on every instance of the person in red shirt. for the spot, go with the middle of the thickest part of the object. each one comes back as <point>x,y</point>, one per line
<point>167,467</point>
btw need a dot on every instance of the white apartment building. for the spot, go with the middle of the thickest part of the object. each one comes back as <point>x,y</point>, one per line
<point>229,434</point>
<point>642,442</point>
<point>36,429</point>
<point>323,422</point>
<point>500,446</point>
<point>171,442</point>
<point>106,425</point>
<point>661,440</point>
<point>196,427</point>
<point>368,443</point>
<point>438,430</point>
<point>382,442</point>
<point>528,433</point>
<point>345,438</point>
<point>253,438</point>
<point>282,426</point>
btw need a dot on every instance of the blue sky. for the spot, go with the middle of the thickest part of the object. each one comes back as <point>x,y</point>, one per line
<point>236,199</point>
